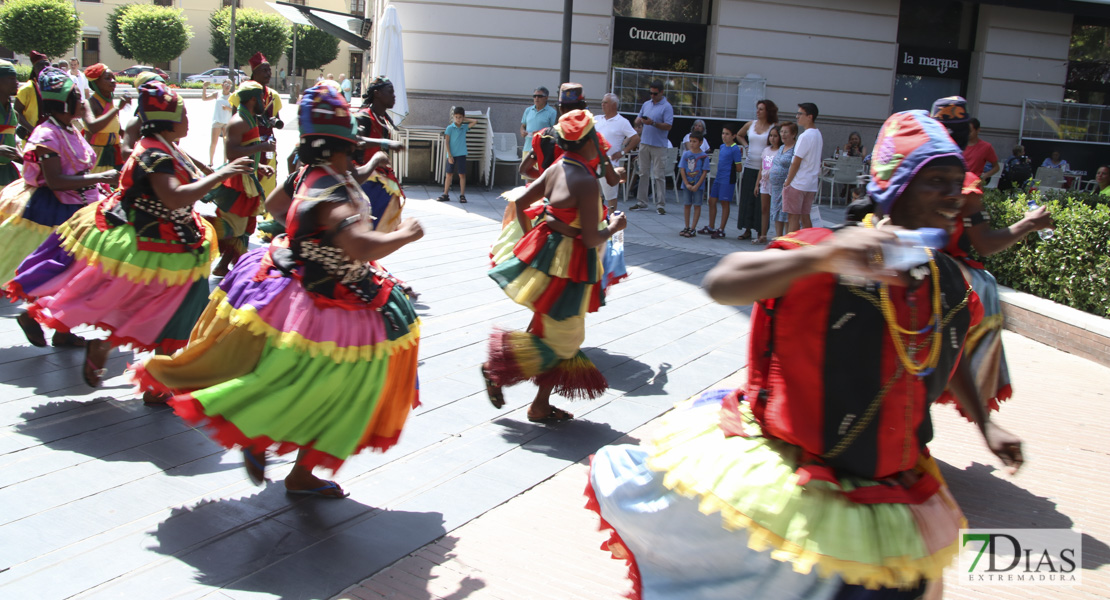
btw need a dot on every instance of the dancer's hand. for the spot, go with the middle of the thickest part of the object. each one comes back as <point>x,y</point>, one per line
<point>852,251</point>
<point>265,171</point>
<point>1005,446</point>
<point>617,222</point>
<point>238,166</point>
<point>1038,219</point>
<point>411,229</point>
<point>124,101</point>
<point>108,177</point>
<point>379,160</point>
<point>10,153</point>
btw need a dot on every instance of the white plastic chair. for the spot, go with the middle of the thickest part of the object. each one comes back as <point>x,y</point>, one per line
<point>844,170</point>
<point>1049,177</point>
<point>504,150</point>
<point>670,165</point>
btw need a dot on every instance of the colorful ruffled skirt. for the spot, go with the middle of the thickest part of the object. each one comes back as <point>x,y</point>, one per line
<point>701,515</point>
<point>27,217</point>
<point>269,366</point>
<point>984,344</point>
<point>387,200</point>
<point>86,273</point>
<point>238,203</point>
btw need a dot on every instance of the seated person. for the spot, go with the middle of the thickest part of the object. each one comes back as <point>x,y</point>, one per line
<point>855,146</point>
<point>1055,162</point>
<point>1016,170</point>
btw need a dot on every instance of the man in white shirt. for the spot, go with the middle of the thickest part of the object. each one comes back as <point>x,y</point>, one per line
<point>621,137</point>
<point>82,82</point>
<point>698,126</point>
<point>800,187</point>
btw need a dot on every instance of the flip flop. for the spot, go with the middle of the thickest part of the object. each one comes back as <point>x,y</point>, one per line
<point>258,473</point>
<point>556,415</point>
<point>321,491</point>
<point>32,330</point>
<point>65,339</point>
<point>152,397</point>
<point>496,398</point>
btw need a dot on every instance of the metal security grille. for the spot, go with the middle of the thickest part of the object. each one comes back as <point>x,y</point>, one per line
<point>1068,121</point>
<point>692,94</point>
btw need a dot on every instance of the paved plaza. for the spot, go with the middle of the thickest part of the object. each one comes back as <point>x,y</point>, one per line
<point>103,497</point>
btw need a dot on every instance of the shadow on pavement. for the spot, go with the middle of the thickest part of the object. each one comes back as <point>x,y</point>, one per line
<point>989,501</point>
<point>570,440</point>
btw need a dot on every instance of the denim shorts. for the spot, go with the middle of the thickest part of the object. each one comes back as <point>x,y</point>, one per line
<point>688,198</point>
<point>459,166</point>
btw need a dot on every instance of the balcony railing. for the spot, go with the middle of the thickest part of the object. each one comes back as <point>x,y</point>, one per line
<point>1066,121</point>
<point>692,94</point>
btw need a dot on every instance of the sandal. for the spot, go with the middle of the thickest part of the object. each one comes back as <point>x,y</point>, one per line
<point>706,230</point>
<point>92,372</point>
<point>462,199</point>
<point>322,491</point>
<point>747,235</point>
<point>32,330</point>
<point>496,398</point>
<point>684,232</point>
<point>761,240</point>
<point>152,397</point>
<point>256,466</point>
<point>444,198</point>
<point>556,415</point>
<point>65,339</point>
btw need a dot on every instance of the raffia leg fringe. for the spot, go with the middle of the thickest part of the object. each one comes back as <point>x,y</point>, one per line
<point>574,378</point>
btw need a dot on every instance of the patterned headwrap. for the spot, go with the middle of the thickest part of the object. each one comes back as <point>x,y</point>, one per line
<point>258,60</point>
<point>249,89</point>
<point>94,72</point>
<point>907,141</point>
<point>575,125</point>
<point>323,111</point>
<point>6,68</point>
<point>157,102</point>
<point>144,77</point>
<point>950,110</point>
<point>55,84</point>
<point>571,93</point>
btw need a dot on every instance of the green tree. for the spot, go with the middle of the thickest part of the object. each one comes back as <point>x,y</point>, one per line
<point>255,31</point>
<point>154,34</point>
<point>48,26</point>
<point>113,31</point>
<point>315,48</point>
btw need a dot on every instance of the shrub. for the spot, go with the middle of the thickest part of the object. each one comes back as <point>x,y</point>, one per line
<point>255,31</point>
<point>48,26</point>
<point>154,34</point>
<point>1071,268</point>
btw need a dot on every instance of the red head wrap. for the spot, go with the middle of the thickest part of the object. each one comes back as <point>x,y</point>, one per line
<point>94,72</point>
<point>36,57</point>
<point>258,60</point>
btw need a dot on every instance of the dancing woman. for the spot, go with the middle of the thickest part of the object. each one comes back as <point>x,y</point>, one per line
<point>387,199</point>
<point>308,344</point>
<point>104,128</point>
<point>56,183</point>
<point>813,481</point>
<point>556,271</point>
<point>135,264</point>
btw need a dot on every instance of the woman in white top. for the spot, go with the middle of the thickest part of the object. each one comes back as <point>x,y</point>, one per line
<point>753,136</point>
<point>774,142</point>
<point>220,115</point>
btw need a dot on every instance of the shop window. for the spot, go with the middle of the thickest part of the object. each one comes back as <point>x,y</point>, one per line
<point>90,50</point>
<point>297,2</point>
<point>1089,62</point>
<point>660,35</point>
<point>163,3</point>
<point>238,3</point>
<point>935,40</point>
<point>358,7</point>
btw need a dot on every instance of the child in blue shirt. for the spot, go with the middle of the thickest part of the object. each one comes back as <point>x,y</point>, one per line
<point>456,152</point>
<point>730,161</point>
<point>694,167</point>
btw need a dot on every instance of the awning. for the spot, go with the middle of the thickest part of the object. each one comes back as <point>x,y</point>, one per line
<point>347,27</point>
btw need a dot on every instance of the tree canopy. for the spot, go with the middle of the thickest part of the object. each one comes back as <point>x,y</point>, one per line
<point>315,48</point>
<point>154,33</point>
<point>48,26</point>
<point>255,31</point>
<point>113,31</point>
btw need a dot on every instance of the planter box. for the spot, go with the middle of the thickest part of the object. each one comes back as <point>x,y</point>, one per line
<point>1056,325</point>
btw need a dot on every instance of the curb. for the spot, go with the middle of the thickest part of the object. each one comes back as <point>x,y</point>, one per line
<point>1062,327</point>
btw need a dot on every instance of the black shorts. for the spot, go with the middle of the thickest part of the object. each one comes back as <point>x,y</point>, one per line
<point>459,166</point>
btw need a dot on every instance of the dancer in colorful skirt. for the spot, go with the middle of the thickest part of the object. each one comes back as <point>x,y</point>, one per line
<point>56,183</point>
<point>387,199</point>
<point>813,481</point>
<point>269,105</point>
<point>984,341</point>
<point>135,264</point>
<point>556,271</point>
<point>103,129</point>
<point>308,344</point>
<point>239,200</point>
<point>9,151</point>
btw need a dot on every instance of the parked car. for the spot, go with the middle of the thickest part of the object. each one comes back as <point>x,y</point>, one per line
<point>217,75</point>
<point>135,70</point>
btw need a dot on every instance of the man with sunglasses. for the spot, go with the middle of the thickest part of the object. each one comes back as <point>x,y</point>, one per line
<point>538,117</point>
<point>657,117</point>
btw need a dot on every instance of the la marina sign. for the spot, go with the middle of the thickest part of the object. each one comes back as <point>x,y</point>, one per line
<point>932,62</point>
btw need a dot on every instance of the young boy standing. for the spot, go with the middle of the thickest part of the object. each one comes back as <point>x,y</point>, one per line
<point>730,161</point>
<point>694,167</point>
<point>456,152</point>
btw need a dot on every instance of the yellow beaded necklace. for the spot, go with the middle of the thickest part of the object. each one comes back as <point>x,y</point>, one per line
<point>897,331</point>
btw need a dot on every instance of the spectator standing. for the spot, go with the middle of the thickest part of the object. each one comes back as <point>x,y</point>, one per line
<point>800,187</point>
<point>1055,162</point>
<point>753,136</point>
<point>221,115</point>
<point>978,153</point>
<point>345,86</point>
<point>456,152</point>
<point>79,78</point>
<point>698,126</point>
<point>28,97</point>
<point>780,167</point>
<point>537,117</point>
<point>621,136</point>
<point>730,161</point>
<point>774,142</point>
<point>694,167</point>
<point>657,117</point>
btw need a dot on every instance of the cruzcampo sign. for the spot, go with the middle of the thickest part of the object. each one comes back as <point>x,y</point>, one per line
<point>668,37</point>
<point>931,62</point>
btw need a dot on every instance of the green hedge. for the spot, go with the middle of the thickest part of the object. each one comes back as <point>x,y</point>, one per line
<point>1071,268</point>
<point>189,85</point>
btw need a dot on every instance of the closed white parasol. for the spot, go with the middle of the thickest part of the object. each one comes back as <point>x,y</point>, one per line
<point>389,60</point>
